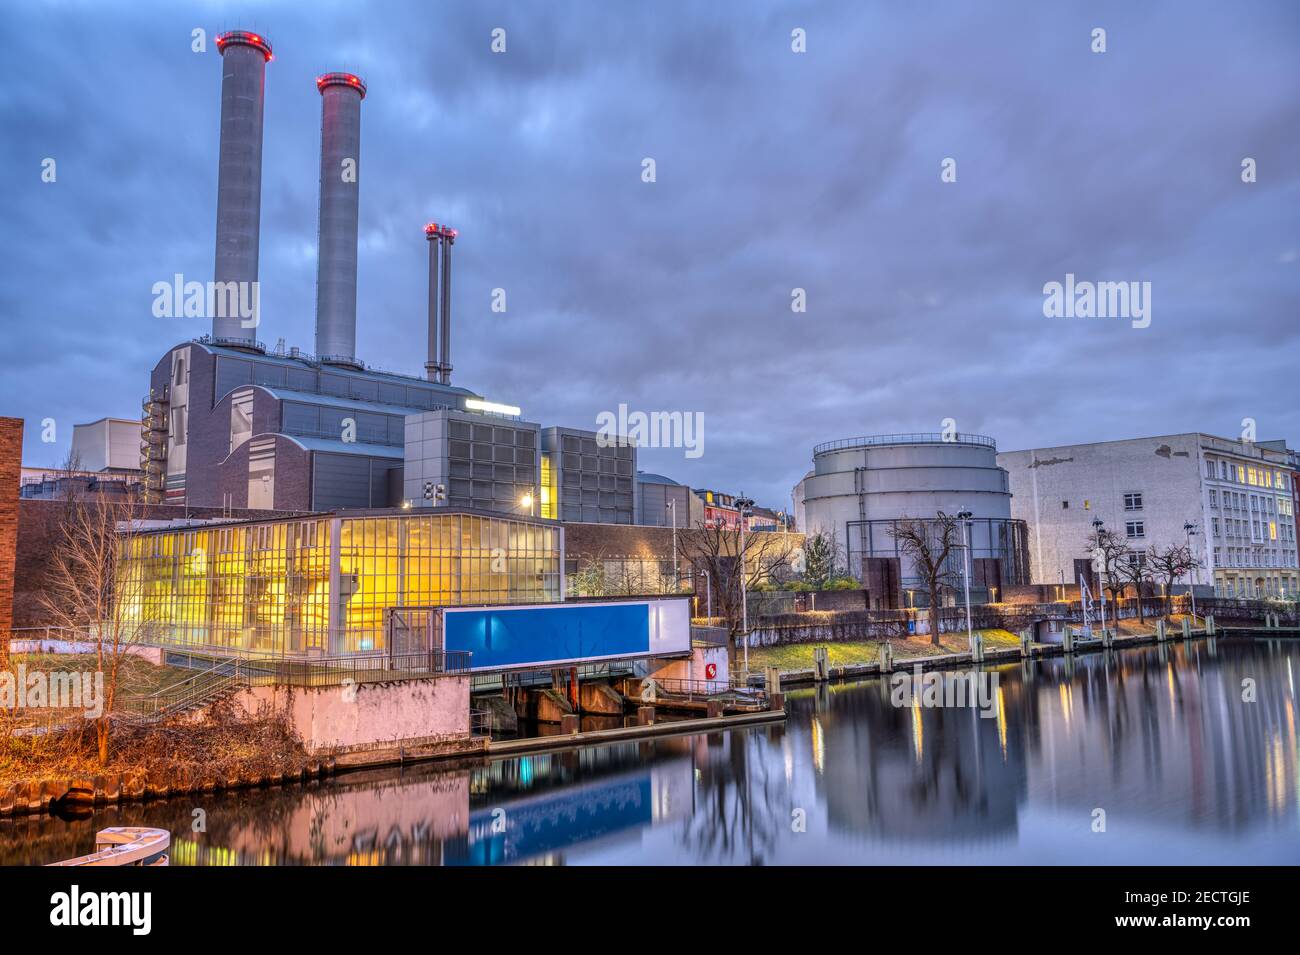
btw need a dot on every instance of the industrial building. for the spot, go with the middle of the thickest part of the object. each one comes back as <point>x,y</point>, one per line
<point>229,423</point>
<point>325,584</point>
<point>860,488</point>
<point>1232,501</point>
<point>104,459</point>
<point>663,502</point>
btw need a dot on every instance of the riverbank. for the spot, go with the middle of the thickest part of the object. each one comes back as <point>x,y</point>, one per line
<point>954,652</point>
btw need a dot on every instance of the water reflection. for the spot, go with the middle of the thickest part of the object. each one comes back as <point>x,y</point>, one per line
<point>1159,738</point>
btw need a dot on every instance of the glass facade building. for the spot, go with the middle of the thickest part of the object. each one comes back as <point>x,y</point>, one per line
<point>323,585</point>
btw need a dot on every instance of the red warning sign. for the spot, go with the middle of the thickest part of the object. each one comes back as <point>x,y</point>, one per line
<point>710,671</point>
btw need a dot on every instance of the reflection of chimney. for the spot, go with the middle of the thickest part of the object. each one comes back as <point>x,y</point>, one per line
<point>239,178</point>
<point>336,264</point>
<point>440,238</point>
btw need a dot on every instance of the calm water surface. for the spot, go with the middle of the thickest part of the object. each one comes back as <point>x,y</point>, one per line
<point>1159,738</point>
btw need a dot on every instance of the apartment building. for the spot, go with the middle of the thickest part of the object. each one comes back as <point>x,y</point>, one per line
<point>1231,500</point>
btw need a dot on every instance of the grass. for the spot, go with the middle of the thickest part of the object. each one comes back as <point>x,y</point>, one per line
<point>798,656</point>
<point>136,677</point>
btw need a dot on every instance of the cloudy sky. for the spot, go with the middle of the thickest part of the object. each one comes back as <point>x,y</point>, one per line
<point>775,171</point>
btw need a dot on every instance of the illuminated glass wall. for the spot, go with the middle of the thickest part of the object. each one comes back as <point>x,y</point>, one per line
<point>324,585</point>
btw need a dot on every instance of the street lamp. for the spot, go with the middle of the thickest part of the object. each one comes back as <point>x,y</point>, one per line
<point>964,516</point>
<point>743,504</point>
<point>677,580</point>
<point>1190,529</point>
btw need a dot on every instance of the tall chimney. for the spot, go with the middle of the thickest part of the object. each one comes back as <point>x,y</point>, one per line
<point>441,238</point>
<point>448,240</point>
<point>433,367</point>
<point>336,265</point>
<point>239,178</point>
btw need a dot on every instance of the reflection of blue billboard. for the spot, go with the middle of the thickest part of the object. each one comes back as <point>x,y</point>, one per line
<point>552,634</point>
<point>571,817</point>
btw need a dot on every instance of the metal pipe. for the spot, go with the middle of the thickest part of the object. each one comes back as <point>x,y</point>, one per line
<point>449,238</point>
<point>244,57</point>
<point>336,262</point>
<point>433,366</point>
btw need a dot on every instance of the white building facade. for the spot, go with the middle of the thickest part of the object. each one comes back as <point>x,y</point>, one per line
<point>1231,500</point>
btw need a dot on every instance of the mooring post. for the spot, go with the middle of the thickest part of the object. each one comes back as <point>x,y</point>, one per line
<point>1067,639</point>
<point>1161,635</point>
<point>1107,639</point>
<point>1024,642</point>
<point>886,657</point>
<point>1187,628</point>
<point>773,680</point>
<point>1209,624</point>
<point>821,664</point>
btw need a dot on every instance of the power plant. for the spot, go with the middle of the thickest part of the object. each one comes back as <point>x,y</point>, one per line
<point>228,423</point>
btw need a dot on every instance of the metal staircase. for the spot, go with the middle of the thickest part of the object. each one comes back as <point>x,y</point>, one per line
<point>153,445</point>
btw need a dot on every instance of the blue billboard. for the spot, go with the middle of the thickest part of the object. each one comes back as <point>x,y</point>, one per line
<point>502,638</point>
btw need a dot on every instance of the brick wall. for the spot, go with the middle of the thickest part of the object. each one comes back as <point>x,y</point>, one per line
<point>11,458</point>
<point>609,541</point>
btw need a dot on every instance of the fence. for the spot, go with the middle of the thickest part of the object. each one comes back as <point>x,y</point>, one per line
<point>832,627</point>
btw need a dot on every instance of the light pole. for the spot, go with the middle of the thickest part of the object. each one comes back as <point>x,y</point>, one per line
<point>964,516</point>
<point>677,580</point>
<point>1190,528</point>
<point>743,504</point>
<point>1099,561</point>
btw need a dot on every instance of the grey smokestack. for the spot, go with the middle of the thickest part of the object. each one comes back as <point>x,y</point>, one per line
<point>239,178</point>
<point>336,265</point>
<point>433,367</point>
<point>441,238</point>
<point>448,240</point>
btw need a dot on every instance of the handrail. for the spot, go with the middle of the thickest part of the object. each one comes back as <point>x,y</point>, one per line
<point>922,437</point>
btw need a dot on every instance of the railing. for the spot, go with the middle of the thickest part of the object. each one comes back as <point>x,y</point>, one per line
<point>232,673</point>
<point>733,691</point>
<point>480,723</point>
<point>709,636</point>
<point>542,677</point>
<point>879,440</point>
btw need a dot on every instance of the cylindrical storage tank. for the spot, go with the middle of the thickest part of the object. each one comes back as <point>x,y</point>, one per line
<point>340,182</point>
<point>244,57</point>
<point>860,487</point>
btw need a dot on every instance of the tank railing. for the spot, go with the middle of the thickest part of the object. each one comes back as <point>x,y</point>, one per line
<point>931,437</point>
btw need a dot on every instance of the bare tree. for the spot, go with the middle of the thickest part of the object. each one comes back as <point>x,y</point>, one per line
<point>927,543</point>
<point>1134,570</point>
<point>92,591</point>
<point>1109,549</point>
<point>764,557</point>
<point>1170,563</point>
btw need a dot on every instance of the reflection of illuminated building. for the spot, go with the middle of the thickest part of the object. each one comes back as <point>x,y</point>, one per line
<point>1173,735</point>
<point>324,584</point>
<point>917,773</point>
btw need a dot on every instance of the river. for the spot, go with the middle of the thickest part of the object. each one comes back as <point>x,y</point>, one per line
<point>1138,756</point>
